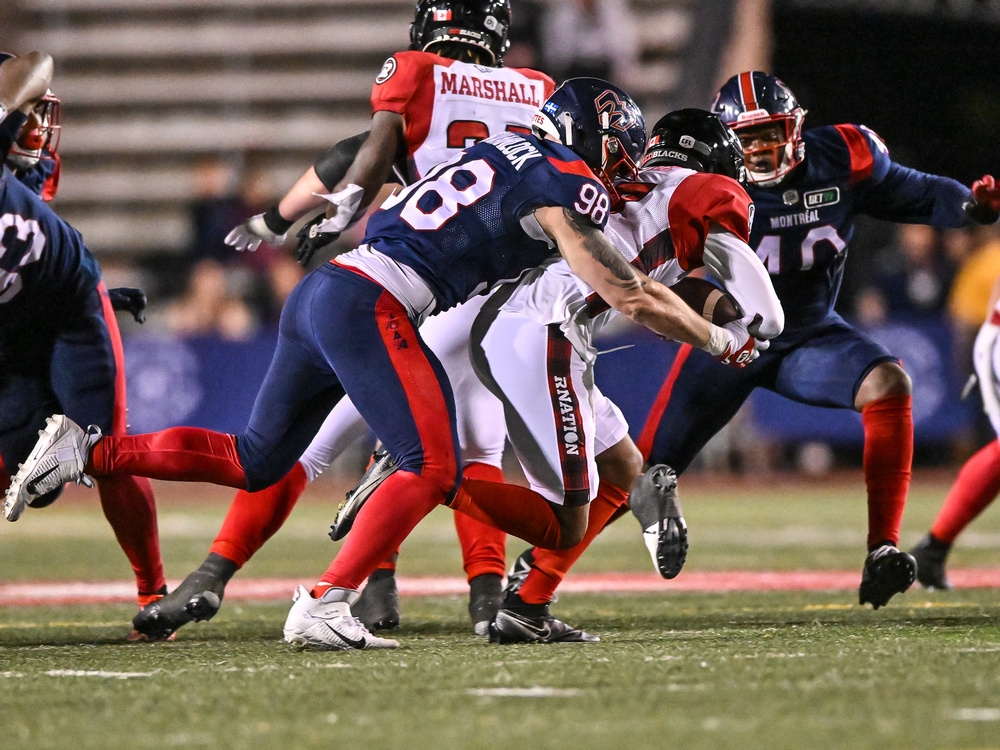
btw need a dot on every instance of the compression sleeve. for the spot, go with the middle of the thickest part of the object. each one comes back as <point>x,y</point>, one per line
<point>333,164</point>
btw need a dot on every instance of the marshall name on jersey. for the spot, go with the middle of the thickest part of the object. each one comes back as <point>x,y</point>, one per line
<point>449,105</point>
<point>803,226</point>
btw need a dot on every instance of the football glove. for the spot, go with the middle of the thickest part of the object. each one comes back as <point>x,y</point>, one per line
<point>124,299</point>
<point>311,239</point>
<point>986,191</point>
<point>982,360</point>
<point>732,343</point>
<point>341,214</point>
<point>267,227</point>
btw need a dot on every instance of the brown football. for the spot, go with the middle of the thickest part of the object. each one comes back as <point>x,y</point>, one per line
<point>715,304</point>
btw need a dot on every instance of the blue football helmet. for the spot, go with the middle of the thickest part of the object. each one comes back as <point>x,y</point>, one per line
<point>754,99</point>
<point>600,123</point>
<point>482,24</point>
<point>698,140</point>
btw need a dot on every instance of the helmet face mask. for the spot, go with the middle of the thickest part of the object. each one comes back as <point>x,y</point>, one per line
<point>479,26</point>
<point>39,134</point>
<point>600,123</point>
<point>696,139</point>
<point>749,101</point>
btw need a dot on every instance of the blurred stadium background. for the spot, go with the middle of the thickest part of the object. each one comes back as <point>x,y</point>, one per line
<point>181,117</point>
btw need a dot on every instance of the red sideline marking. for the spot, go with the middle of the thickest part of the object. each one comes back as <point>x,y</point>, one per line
<point>277,589</point>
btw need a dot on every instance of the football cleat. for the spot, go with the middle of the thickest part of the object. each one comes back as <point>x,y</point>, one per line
<point>327,623</point>
<point>378,605</point>
<point>485,594</point>
<point>381,468</point>
<point>519,622</point>
<point>930,554</point>
<point>58,457</point>
<point>198,598</point>
<point>887,572</point>
<point>144,600</point>
<point>655,503</point>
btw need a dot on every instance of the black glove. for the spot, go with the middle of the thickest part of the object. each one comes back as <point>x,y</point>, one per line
<point>311,240</point>
<point>124,299</point>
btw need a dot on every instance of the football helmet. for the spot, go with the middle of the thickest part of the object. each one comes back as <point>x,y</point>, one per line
<point>479,23</point>
<point>755,98</point>
<point>698,140</point>
<point>600,123</point>
<point>39,136</point>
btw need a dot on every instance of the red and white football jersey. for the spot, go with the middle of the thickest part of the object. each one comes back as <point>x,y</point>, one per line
<point>449,105</point>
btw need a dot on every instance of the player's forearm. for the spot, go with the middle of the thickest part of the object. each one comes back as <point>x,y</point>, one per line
<point>302,198</point>
<point>666,314</point>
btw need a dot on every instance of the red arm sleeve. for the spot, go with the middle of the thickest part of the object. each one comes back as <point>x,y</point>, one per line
<point>699,201</point>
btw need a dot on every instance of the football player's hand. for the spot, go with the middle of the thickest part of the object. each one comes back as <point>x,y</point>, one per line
<point>124,299</point>
<point>986,191</point>
<point>312,239</point>
<point>253,231</point>
<point>733,345</point>
<point>982,359</point>
<point>343,209</point>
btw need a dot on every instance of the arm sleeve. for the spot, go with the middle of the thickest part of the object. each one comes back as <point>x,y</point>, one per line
<point>333,164</point>
<point>896,193</point>
<point>700,201</point>
<point>739,269</point>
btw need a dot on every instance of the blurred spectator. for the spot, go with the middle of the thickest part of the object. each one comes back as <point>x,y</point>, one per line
<point>589,38</point>
<point>913,274</point>
<point>870,308</point>
<point>230,293</point>
<point>525,36</point>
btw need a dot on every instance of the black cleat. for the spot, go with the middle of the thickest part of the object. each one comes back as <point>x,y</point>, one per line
<point>887,572</point>
<point>198,598</point>
<point>930,554</point>
<point>519,622</point>
<point>485,595</point>
<point>378,605</point>
<point>655,503</point>
<point>382,466</point>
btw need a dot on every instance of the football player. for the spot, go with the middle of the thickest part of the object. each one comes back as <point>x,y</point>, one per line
<point>501,207</point>
<point>978,481</point>
<point>448,91</point>
<point>807,187</point>
<point>60,349</point>
<point>685,210</point>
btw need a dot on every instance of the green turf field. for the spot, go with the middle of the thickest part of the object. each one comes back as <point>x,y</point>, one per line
<point>753,669</point>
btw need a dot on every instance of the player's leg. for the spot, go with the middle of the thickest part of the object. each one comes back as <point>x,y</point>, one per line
<point>548,399</point>
<point>88,379</point>
<point>975,487</point>
<point>838,366</point>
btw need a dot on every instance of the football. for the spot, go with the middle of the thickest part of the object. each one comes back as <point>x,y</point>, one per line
<point>715,305</point>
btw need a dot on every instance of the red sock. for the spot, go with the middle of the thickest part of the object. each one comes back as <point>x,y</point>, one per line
<point>253,517</point>
<point>180,454</point>
<point>484,547</point>
<point>386,519</point>
<point>129,506</point>
<point>888,458</point>
<point>976,486</point>
<point>550,566</point>
<point>517,510</point>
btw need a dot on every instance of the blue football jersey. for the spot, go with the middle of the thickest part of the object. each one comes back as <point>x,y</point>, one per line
<point>802,227</point>
<point>460,227</point>
<point>44,265</point>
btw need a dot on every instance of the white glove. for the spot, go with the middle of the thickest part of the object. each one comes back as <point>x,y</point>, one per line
<point>253,231</point>
<point>982,360</point>
<point>732,343</point>
<point>347,202</point>
<point>3,112</point>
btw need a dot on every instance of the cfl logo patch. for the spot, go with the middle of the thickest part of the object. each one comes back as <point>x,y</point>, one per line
<point>686,141</point>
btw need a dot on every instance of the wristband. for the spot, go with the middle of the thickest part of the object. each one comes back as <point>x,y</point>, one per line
<point>275,221</point>
<point>718,342</point>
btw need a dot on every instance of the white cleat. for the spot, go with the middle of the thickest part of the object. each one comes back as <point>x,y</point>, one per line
<point>327,623</point>
<point>58,457</point>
